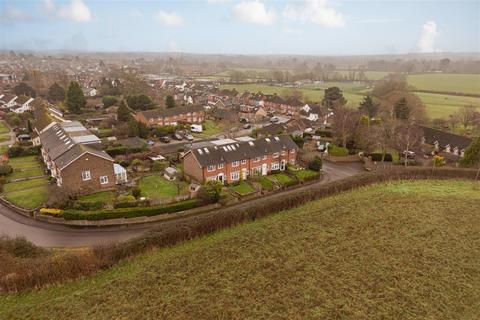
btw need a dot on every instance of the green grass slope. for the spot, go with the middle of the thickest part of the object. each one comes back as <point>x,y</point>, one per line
<point>403,250</point>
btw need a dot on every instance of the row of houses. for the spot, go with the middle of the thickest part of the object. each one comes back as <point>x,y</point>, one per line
<point>229,160</point>
<point>74,155</point>
<point>171,116</point>
<point>17,104</point>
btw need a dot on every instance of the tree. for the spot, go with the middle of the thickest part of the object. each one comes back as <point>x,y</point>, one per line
<point>137,129</point>
<point>315,164</point>
<point>333,97</point>
<point>170,102</point>
<point>24,89</point>
<point>408,137</point>
<point>210,192</point>
<point>140,102</point>
<point>402,110</point>
<point>123,113</point>
<point>466,115</point>
<point>29,126</point>
<point>56,93</point>
<point>345,121</point>
<point>368,107</point>
<point>109,101</point>
<point>74,98</point>
<point>471,156</point>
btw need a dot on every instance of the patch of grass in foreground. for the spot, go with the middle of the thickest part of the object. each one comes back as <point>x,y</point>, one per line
<point>366,254</point>
<point>104,196</point>
<point>25,184</point>
<point>29,198</point>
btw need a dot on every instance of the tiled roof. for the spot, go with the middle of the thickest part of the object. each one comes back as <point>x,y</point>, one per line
<point>240,150</point>
<point>159,113</point>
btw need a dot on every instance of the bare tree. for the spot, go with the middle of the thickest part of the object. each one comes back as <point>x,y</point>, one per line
<point>345,121</point>
<point>408,137</point>
<point>466,115</point>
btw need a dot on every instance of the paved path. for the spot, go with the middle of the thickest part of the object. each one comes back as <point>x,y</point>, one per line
<point>49,235</point>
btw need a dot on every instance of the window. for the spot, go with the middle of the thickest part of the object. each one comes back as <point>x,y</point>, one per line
<point>103,179</point>
<point>235,164</point>
<point>283,153</point>
<point>275,166</point>
<point>257,170</point>
<point>256,159</point>
<point>244,161</point>
<point>275,155</point>
<point>86,175</point>
<point>235,175</point>
<point>220,166</point>
<point>210,168</point>
<point>292,151</point>
<point>264,157</point>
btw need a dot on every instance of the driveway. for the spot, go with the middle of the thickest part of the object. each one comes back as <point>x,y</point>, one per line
<point>49,235</point>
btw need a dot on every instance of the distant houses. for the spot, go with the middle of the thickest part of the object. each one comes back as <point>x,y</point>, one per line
<point>172,116</point>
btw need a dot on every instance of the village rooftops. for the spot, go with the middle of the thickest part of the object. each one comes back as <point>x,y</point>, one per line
<point>160,113</point>
<point>241,150</point>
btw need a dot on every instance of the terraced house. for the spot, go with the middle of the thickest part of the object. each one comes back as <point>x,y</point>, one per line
<point>229,160</point>
<point>173,116</point>
<point>75,158</point>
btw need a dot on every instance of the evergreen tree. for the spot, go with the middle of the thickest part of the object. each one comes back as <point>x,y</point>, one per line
<point>74,98</point>
<point>333,97</point>
<point>367,106</point>
<point>29,126</point>
<point>123,113</point>
<point>24,89</point>
<point>56,93</point>
<point>401,109</point>
<point>170,102</point>
<point>472,154</point>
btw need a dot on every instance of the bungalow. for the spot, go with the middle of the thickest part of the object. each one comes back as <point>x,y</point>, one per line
<point>230,160</point>
<point>443,141</point>
<point>7,101</point>
<point>171,116</point>
<point>22,104</point>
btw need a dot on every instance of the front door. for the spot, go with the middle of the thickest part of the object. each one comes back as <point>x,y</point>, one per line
<point>264,169</point>
<point>221,177</point>
<point>282,165</point>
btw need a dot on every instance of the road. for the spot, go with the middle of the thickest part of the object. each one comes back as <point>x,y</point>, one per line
<point>48,235</point>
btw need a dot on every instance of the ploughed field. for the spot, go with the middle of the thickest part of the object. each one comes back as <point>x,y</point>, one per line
<point>401,250</point>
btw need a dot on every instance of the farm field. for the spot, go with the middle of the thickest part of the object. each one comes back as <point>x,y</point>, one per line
<point>311,94</point>
<point>460,83</point>
<point>442,106</point>
<point>414,256</point>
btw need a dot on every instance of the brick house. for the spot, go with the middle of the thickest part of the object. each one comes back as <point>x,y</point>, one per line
<point>172,116</point>
<point>230,160</point>
<point>75,158</point>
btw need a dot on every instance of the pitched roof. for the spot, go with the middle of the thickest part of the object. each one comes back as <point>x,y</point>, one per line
<point>160,113</point>
<point>211,154</point>
<point>8,97</point>
<point>444,138</point>
<point>78,150</point>
<point>22,99</point>
<point>42,117</point>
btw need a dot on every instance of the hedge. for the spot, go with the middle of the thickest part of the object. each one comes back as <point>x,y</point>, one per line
<point>129,212</point>
<point>378,157</point>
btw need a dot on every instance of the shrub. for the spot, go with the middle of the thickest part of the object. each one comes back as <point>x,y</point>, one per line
<point>136,192</point>
<point>210,192</point>
<point>51,211</point>
<point>19,151</point>
<point>5,169</point>
<point>337,151</point>
<point>109,101</point>
<point>378,157</point>
<point>315,164</point>
<point>129,212</point>
<point>323,133</point>
<point>87,205</point>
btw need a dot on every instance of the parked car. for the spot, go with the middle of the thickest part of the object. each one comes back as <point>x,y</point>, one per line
<point>150,142</point>
<point>244,120</point>
<point>408,154</point>
<point>196,128</point>
<point>189,137</point>
<point>274,119</point>
<point>178,136</point>
<point>165,139</point>
<point>247,126</point>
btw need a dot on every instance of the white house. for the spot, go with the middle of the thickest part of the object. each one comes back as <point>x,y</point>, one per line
<point>90,92</point>
<point>22,104</point>
<point>7,101</point>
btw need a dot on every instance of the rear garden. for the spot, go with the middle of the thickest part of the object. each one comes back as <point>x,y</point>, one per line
<point>26,186</point>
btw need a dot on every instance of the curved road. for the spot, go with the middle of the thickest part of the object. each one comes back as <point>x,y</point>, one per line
<point>44,234</point>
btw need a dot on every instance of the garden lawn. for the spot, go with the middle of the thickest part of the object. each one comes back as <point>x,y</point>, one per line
<point>243,188</point>
<point>304,174</point>
<point>210,128</point>
<point>266,183</point>
<point>25,184</point>
<point>29,198</point>
<point>104,196</point>
<point>403,250</point>
<point>157,187</point>
<point>281,178</point>
<point>27,162</point>
<point>4,128</point>
<point>27,173</point>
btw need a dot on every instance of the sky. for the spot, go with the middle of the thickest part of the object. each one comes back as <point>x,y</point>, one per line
<point>308,27</point>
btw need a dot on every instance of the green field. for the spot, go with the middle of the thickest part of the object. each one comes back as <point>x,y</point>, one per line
<point>442,106</point>
<point>461,83</point>
<point>310,94</point>
<point>402,250</point>
<point>157,187</point>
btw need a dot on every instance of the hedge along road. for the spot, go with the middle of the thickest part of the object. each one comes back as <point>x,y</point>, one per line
<point>44,234</point>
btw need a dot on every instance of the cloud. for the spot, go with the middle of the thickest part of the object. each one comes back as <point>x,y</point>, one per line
<point>253,12</point>
<point>315,11</point>
<point>10,15</point>
<point>426,42</point>
<point>75,10</point>
<point>169,19</point>
<point>381,20</point>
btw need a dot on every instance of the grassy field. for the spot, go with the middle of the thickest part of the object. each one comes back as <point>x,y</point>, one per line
<point>461,83</point>
<point>415,256</point>
<point>311,94</point>
<point>442,106</point>
<point>157,187</point>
